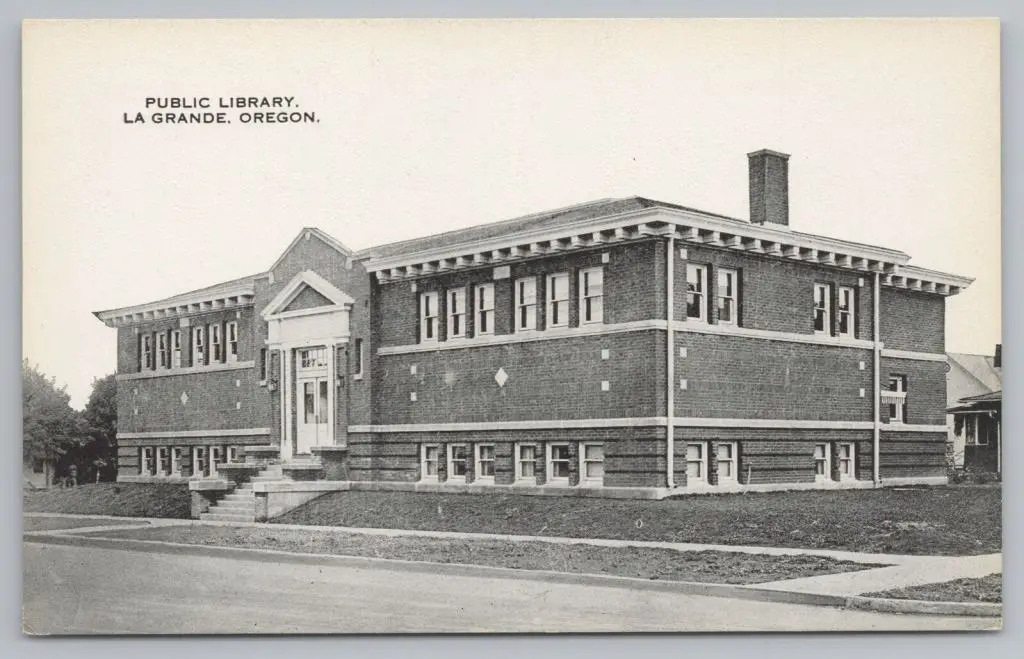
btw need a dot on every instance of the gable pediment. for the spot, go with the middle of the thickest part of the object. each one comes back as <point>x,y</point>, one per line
<point>307,292</point>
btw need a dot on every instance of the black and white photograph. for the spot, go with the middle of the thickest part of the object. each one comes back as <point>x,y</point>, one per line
<point>511,326</point>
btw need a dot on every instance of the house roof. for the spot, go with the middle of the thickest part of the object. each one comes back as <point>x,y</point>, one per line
<point>983,398</point>
<point>534,221</point>
<point>981,367</point>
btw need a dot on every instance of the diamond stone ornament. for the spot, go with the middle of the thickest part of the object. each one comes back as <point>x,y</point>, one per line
<point>501,377</point>
<point>184,398</point>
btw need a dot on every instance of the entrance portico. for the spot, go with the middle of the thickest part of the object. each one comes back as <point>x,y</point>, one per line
<point>307,322</point>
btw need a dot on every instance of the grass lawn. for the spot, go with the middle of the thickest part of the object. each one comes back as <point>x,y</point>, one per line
<point>984,589</point>
<point>29,524</point>
<point>956,520</point>
<point>122,499</point>
<point>638,562</point>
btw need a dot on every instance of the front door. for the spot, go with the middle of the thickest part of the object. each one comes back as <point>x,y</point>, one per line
<point>312,399</point>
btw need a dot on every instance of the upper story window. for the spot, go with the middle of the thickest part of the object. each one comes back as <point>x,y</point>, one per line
<point>263,365</point>
<point>175,348</point>
<point>896,396</point>
<point>728,284</point>
<point>484,296</point>
<point>428,316</point>
<point>216,344</point>
<point>558,300</point>
<point>526,303</point>
<point>198,346</point>
<point>592,295</point>
<point>696,292</point>
<point>147,351</point>
<point>313,358</point>
<point>822,301</point>
<point>846,310</point>
<point>357,358</point>
<point>231,330</point>
<point>164,355</point>
<point>456,313</point>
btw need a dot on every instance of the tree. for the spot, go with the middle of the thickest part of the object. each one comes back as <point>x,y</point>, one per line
<point>98,456</point>
<point>50,426</point>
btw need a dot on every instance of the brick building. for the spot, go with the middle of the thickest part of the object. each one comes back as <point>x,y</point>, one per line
<point>622,347</point>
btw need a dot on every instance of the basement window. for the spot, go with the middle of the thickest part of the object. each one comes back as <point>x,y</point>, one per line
<point>847,460</point>
<point>696,463</point>
<point>822,463</point>
<point>484,467</point>
<point>458,458</point>
<point>558,462</point>
<point>725,454</point>
<point>429,456</point>
<point>526,462</point>
<point>592,462</point>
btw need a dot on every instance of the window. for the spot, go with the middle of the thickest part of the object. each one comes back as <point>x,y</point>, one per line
<point>147,461</point>
<point>847,312</point>
<point>200,466</point>
<point>972,431</point>
<point>216,345</point>
<point>728,281</point>
<point>161,343</point>
<point>558,462</point>
<point>147,351</point>
<point>696,463</point>
<point>428,317</point>
<point>558,300</point>
<point>312,358</point>
<point>592,295</point>
<point>696,292</point>
<point>726,457</point>
<point>357,358</point>
<point>456,313</point>
<point>592,462</point>
<point>429,461</point>
<point>176,461</point>
<point>263,364</point>
<point>484,309</point>
<point>526,303</point>
<point>198,346</point>
<point>176,349</point>
<point>846,461</point>
<point>233,454</point>
<point>896,396</point>
<point>163,454</point>
<point>457,459</point>
<point>231,330</point>
<point>484,468</point>
<point>822,300</point>
<point>526,461</point>
<point>822,463</point>
<point>218,456</point>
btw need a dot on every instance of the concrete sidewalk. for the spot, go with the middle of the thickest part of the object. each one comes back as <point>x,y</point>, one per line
<point>899,571</point>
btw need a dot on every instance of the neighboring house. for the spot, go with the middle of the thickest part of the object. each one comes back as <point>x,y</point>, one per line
<point>37,474</point>
<point>974,397</point>
<point>622,347</point>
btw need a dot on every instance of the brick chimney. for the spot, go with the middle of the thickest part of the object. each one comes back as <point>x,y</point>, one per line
<point>769,187</point>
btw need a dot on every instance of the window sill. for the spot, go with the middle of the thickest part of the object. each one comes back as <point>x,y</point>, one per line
<point>357,376</point>
<point>190,370</point>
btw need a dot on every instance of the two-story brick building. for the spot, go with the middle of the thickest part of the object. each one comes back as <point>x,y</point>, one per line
<point>622,347</point>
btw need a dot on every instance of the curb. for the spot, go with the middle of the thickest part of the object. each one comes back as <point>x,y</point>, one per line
<point>453,569</point>
<point>883,605</point>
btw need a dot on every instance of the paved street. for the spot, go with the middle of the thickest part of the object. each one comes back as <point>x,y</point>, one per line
<point>90,590</point>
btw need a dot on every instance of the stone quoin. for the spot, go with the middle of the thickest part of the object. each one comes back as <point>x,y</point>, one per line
<point>620,347</point>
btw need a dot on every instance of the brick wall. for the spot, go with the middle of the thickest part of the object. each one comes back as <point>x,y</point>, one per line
<point>741,377</point>
<point>633,290</point>
<point>926,389</point>
<point>912,320</point>
<point>909,454</point>
<point>774,294</point>
<point>551,379</point>
<point>155,404</point>
<point>633,457</point>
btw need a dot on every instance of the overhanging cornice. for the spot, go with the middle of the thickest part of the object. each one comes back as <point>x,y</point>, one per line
<point>179,307</point>
<point>686,227</point>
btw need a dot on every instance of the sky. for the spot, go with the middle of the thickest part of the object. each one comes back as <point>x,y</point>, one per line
<point>426,126</point>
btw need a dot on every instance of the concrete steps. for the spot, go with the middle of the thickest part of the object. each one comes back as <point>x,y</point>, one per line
<point>240,504</point>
